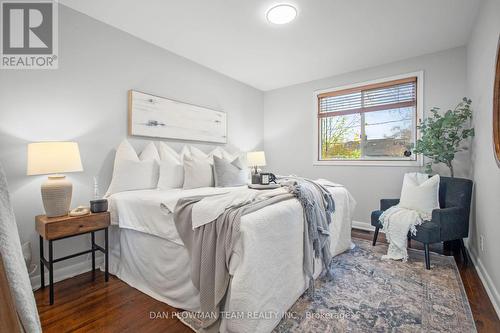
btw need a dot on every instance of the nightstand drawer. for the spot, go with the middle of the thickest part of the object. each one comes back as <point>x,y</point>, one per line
<point>55,228</point>
<point>74,227</point>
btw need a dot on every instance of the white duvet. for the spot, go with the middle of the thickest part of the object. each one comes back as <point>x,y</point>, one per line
<point>140,210</point>
<point>266,267</point>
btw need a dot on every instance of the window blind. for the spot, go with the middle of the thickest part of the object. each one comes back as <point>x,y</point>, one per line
<point>375,97</point>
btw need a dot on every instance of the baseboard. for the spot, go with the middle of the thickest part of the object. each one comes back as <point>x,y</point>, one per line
<point>362,226</point>
<point>486,280</point>
<point>66,272</point>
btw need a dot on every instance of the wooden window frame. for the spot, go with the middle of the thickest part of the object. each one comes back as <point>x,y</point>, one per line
<point>356,87</point>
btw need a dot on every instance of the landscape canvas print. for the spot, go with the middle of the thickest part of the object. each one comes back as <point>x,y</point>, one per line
<point>160,117</point>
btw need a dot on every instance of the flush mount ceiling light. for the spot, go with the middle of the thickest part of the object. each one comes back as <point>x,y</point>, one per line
<point>281,14</point>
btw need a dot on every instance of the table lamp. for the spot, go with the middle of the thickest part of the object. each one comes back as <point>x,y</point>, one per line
<point>53,158</point>
<point>256,159</point>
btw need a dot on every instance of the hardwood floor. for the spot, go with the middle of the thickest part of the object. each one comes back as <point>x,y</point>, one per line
<point>83,305</point>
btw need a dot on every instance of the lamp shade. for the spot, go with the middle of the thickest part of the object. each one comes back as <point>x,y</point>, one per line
<point>53,157</point>
<point>256,158</point>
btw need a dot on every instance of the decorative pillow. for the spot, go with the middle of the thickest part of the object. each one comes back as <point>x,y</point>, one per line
<point>165,151</point>
<point>171,168</point>
<point>150,153</point>
<point>125,151</point>
<point>197,172</point>
<point>130,172</point>
<point>420,193</point>
<point>231,157</point>
<point>195,152</point>
<point>133,175</point>
<point>229,173</point>
<point>218,151</point>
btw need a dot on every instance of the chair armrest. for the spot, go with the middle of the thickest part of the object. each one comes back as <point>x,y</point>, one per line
<point>452,221</point>
<point>385,204</point>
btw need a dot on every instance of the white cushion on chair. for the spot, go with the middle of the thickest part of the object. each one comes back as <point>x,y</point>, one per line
<point>420,193</point>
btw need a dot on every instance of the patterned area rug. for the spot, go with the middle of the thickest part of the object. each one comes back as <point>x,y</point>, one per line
<point>368,294</point>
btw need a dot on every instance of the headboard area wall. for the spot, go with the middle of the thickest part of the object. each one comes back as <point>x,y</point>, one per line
<point>91,108</point>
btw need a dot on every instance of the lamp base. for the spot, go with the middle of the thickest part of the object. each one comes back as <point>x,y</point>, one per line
<point>56,195</point>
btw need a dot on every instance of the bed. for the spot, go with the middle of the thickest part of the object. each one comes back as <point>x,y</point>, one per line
<point>266,267</point>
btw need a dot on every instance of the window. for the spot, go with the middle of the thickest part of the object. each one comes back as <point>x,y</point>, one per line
<point>369,122</point>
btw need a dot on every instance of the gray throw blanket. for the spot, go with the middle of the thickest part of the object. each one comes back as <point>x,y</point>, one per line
<point>210,248</point>
<point>318,205</point>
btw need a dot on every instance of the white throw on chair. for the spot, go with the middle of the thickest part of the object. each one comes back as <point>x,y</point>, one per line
<point>15,267</point>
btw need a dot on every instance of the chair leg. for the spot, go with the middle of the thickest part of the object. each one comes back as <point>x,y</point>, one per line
<point>427,256</point>
<point>464,252</point>
<point>375,236</point>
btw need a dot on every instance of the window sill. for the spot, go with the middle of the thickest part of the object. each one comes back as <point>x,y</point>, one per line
<point>385,163</point>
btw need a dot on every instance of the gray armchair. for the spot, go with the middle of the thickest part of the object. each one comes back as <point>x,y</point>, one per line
<point>450,223</point>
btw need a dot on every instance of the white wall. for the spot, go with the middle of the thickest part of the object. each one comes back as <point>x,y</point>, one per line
<point>86,100</point>
<point>288,118</point>
<point>481,54</point>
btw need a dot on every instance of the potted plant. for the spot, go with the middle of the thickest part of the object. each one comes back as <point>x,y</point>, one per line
<point>442,135</point>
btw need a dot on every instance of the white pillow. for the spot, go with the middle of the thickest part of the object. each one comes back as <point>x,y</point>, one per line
<point>231,157</point>
<point>228,174</point>
<point>165,150</point>
<point>197,152</point>
<point>184,152</point>
<point>125,151</point>
<point>171,168</point>
<point>197,172</point>
<point>130,172</point>
<point>420,193</point>
<point>133,175</point>
<point>218,151</point>
<point>197,159</point>
<point>150,153</point>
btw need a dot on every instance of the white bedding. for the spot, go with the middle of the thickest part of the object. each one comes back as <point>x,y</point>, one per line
<point>140,210</point>
<point>153,265</point>
<point>266,266</point>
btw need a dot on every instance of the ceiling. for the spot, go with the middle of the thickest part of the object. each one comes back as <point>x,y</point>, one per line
<point>328,37</point>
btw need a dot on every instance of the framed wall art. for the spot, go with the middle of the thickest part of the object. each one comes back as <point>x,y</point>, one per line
<point>159,117</point>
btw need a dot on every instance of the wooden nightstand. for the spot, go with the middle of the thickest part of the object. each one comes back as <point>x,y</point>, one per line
<point>56,228</point>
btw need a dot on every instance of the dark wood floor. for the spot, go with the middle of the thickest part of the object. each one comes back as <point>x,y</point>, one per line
<point>83,305</point>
